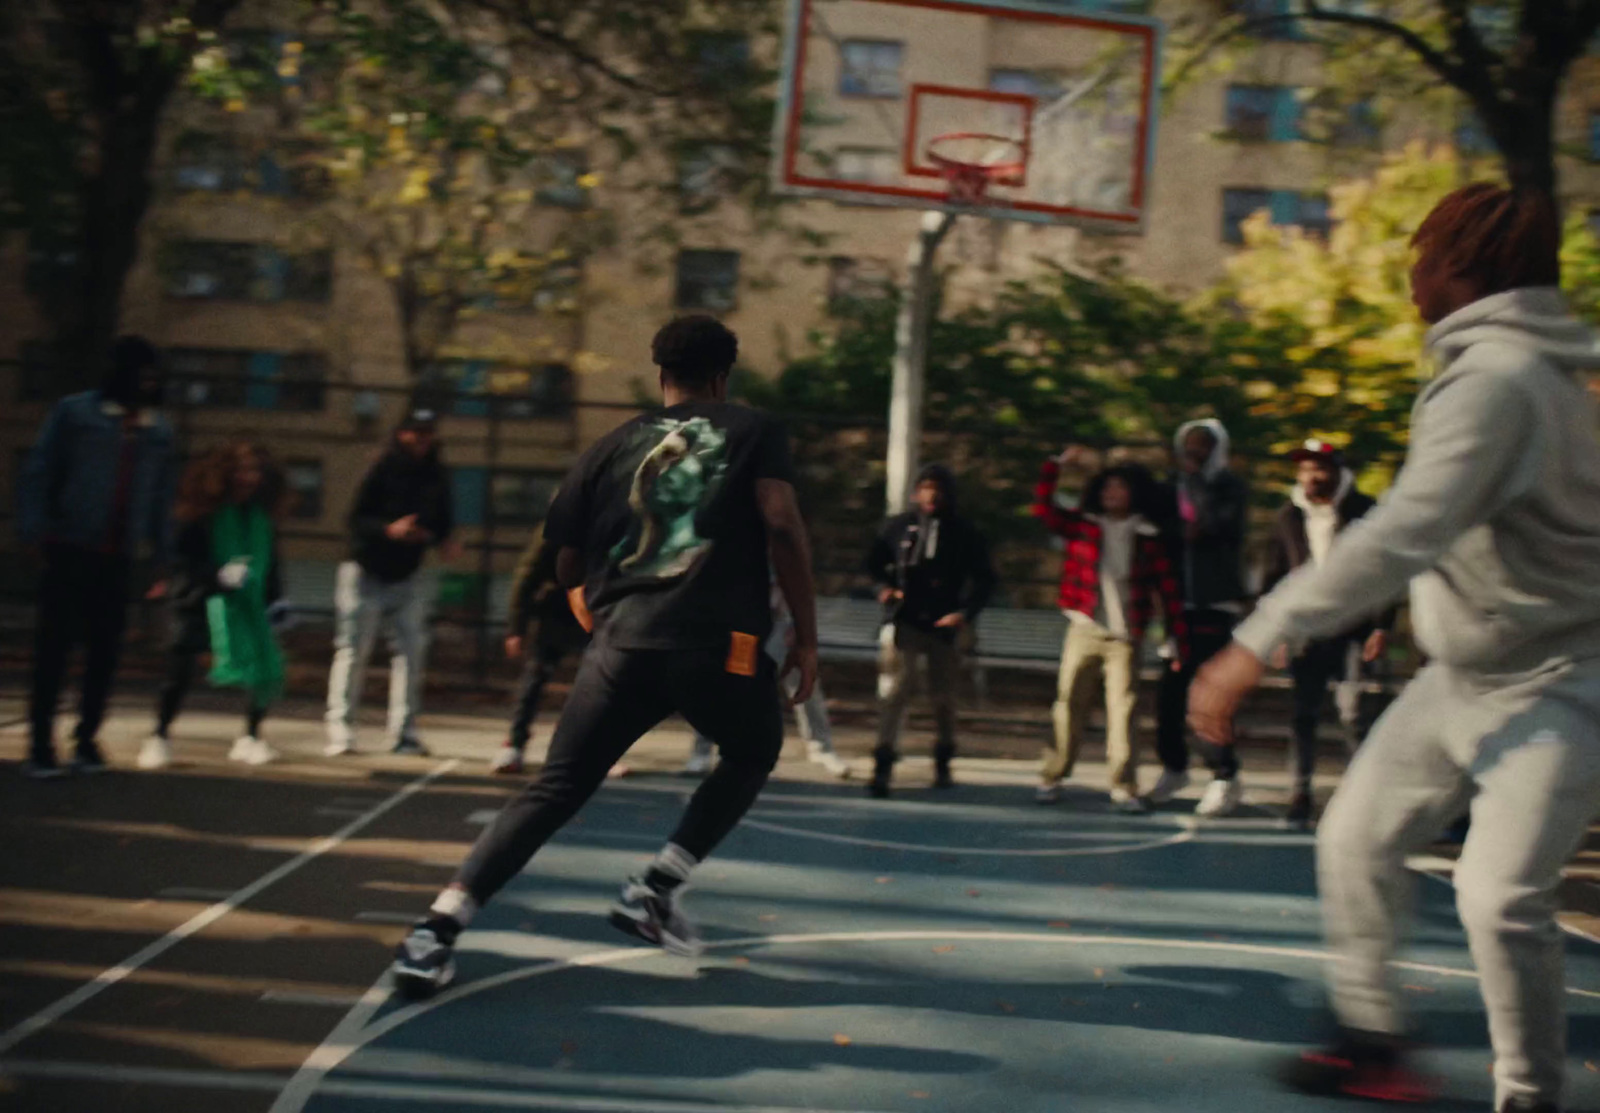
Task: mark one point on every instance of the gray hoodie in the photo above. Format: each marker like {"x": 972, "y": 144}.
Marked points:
{"x": 1494, "y": 521}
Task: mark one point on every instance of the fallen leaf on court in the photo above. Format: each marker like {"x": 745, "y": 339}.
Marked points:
{"x": 1136, "y": 1004}
{"x": 1170, "y": 1059}
{"x": 920, "y": 1094}
{"x": 944, "y": 949}
{"x": 1060, "y": 925}
{"x": 883, "y": 880}
{"x": 1099, "y": 972}
{"x": 842, "y": 1040}
{"x": 1589, "y": 1064}
{"x": 526, "y": 925}
{"x": 1005, "y": 1006}
{"x": 767, "y": 917}
{"x": 741, "y": 960}
{"x": 1419, "y": 989}
{"x": 1106, "y": 888}
{"x": 973, "y": 893}
{"x": 1218, "y": 936}
{"x": 569, "y": 1047}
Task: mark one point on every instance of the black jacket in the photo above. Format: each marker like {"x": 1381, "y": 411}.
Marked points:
{"x": 194, "y": 581}
{"x": 1291, "y": 549}
{"x": 1208, "y": 565}
{"x": 956, "y": 575}
{"x": 399, "y": 485}
{"x": 537, "y": 599}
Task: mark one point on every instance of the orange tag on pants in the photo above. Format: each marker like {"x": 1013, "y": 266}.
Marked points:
{"x": 580, "y": 610}
{"x": 742, "y": 650}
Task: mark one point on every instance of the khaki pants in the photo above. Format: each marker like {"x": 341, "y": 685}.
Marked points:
{"x": 1527, "y": 759}
{"x": 1090, "y": 654}
{"x": 900, "y": 648}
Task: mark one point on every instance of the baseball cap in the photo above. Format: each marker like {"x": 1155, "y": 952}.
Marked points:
{"x": 421, "y": 418}
{"x": 1320, "y": 450}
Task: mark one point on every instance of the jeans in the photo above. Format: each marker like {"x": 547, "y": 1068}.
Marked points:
{"x": 1527, "y": 758}
{"x": 900, "y": 648}
{"x": 175, "y": 688}
{"x": 1093, "y": 653}
{"x": 1210, "y": 632}
{"x": 617, "y": 697}
{"x": 83, "y": 597}
{"x": 810, "y": 717}
{"x": 363, "y": 603}
{"x": 543, "y": 660}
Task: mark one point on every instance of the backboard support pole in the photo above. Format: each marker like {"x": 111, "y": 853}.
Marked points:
{"x": 911, "y": 360}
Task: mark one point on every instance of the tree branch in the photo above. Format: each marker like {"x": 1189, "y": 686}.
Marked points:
{"x": 1440, "y": 63}
{"x": 546, "y": 33}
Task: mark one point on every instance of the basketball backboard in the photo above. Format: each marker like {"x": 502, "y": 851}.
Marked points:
{"x": 882, "y": 100}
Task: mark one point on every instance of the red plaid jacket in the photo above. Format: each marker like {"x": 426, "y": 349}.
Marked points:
{"x": 1151, "y": 575}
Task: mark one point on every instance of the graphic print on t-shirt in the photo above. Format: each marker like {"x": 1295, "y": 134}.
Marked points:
{"x": 679, "y": 475}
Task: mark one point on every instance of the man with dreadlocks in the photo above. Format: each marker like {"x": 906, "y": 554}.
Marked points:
{"x": 1494, "y": 524}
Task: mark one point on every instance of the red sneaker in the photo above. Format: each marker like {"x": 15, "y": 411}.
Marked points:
{"x": 1360, "y": 1065}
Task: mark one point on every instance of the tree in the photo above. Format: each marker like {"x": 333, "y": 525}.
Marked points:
{"x": 1506, "y": 58}
{"x": 83, "y": 86}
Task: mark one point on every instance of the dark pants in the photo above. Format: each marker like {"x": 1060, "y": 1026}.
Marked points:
{"x": 83, "y": 597}
{"x": 180, "y": 678}
{"x": 617, "y": 697}
{"x": 1312, "y": 670}
{"x": 541, "y": 666}
{"x": 1210, "y": 632}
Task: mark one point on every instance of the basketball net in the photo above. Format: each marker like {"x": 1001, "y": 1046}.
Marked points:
{"x": 971, "y": 162}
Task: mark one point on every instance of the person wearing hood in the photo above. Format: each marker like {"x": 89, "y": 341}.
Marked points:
{"x": 934, "y": 578}
{"x": 1210, "y": 503}
{"x": 1322, "y": 503}
{"x": 1493, "y": 525}
{"x": 401, "y": 511}
{"x": 96, "y": 491}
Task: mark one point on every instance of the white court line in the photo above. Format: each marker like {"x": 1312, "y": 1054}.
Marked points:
{"x": 1182, "y": 835}
{"x": 338, "y": 813}
{"x": 108, "y": 978}
{"x": 292, "y": 997}
{"x": 387, "y": 917}
{"x": 182, "y": 892}
{"x": 354, "y": 1033}
{"x": 482, "y": 817}
{"x": 387, "y": 1091}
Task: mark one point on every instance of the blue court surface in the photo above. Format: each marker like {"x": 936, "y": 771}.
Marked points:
{"x": 952, "y": 952}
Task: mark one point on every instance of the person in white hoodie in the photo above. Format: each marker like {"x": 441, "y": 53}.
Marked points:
{"x": 1494, "y": 525}
{"x": 1323, "y": 501}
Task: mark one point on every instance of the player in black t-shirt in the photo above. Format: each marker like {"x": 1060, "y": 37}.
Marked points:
{"x": 668, "y": 523}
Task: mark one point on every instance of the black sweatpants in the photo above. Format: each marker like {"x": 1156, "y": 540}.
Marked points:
{"x": 1210, "y": 632}
{"x": 181, "y": 665}
{"x": 618, "y": 696}
{"x": 541, "y": 666}
{"x": 1321, "y": 662}
{"x": 83, "y": 597}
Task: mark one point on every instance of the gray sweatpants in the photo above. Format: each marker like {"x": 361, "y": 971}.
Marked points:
{"x": 363, "y": 605}
{"x": 1526, "y": 757}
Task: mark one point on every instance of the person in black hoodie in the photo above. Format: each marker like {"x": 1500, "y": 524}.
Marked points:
{"x": 934, "y": 577}
{"x": 1210, "y": 504}
{"x": 401, "y": 511}
{"x": 1324, "y": 501}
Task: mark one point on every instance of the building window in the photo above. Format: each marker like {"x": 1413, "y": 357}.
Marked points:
{"x": 869, "y": 68}
{"x": 707, "y": 280}
{"x": 1285, "y": 208}
{"x": 1263, "y": 113}
{"x": 477, "y": 388}
{"x": 303, "y": 478}
{"x": 207, "y": 164}
{"x": 469, "y": 495}
{"x": 522, "y": 497}
{"x": 719, "y": 57}
{"x": 234, "y": 379}
{"x": 1042, "y": 87}
{"x": 866, "y": 164}
{"x": 561, "y": 178}
{"x": 222, "y": 271}
{"x": 852, "y": 281}
{"x": 705, "y": 176}
{"x": 1594, "y": 137}
{"x": 1278, "y": 29}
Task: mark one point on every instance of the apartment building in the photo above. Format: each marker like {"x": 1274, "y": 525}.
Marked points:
{"x": 300, "y": 343}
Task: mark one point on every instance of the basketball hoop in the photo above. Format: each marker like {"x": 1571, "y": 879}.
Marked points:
{"x": 973, "y": 161}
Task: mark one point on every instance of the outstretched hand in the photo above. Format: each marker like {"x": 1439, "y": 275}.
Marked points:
{"x": 1377, "y": 645}
{"x": 801, "y": 663}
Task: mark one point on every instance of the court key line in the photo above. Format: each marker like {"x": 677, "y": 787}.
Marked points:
{"x": 1182, "y": 835}
{"x": 354, "y": 1032}
{"x": 202, "y": 920}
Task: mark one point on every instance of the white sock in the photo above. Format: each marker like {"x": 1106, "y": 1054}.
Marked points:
{"x": 674, "y": 862}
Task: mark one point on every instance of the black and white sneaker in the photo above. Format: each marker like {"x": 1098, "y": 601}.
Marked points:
{"x": 423, "y": 964}
{"x": 656, "y": 918}
{"x": 87, "y": 758}
{"x": 410, "y": 746}
{"x": 42, "y": 766}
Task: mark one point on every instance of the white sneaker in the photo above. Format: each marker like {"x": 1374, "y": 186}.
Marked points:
{"x": 156, "y": 753}
{"x": 698, "y": 765}
{"x": 507, "y": 762}
{"x": 252, "y": 751}
{"x": 1221, "y": 798}
{"x": 1127, "y": 802}
{"x": 1168, "y": 786}
{"x": 1047, "y": 793}
{"x": 341, "y": 741}
{"x": 829, "y": 760}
